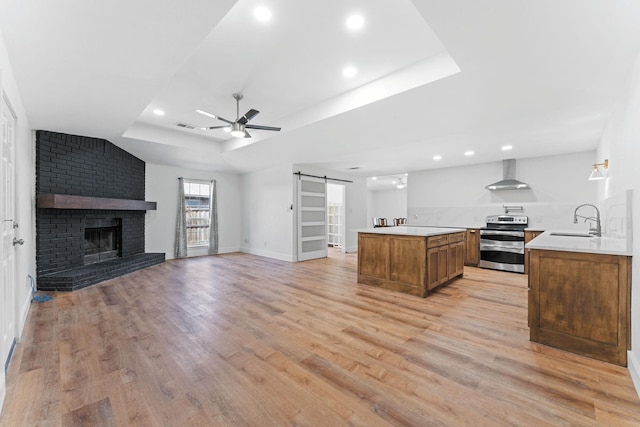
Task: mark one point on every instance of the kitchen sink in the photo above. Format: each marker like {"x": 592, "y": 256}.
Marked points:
{"x": 570, "y": 234}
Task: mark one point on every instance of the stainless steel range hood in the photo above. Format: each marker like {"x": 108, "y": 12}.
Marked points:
{"x": 509, "y": 181}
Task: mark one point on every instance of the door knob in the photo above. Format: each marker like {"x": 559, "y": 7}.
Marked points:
{"x": 18, "y": 241}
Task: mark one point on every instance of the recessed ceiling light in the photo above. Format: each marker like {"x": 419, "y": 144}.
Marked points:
{"x": 374, "y": 178}
{"x": 349, "y": 72}
{"x": 394, "y": 182}
{"x": 355, "y": 22}
{"x": 437, "y": 157}
{"x": 469, "y": 153}
{"x": 262, "y": 14}
{"x": 158, "y": 112}
{"x": 507, "y": 147}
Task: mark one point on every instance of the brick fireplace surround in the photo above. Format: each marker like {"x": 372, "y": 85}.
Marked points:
{"x": 69, "y": 165}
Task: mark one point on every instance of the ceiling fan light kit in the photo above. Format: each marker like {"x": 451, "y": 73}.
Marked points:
{"x": 238, "y": 128}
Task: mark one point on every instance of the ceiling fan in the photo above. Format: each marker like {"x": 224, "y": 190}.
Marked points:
{"x": 238, "y": 127}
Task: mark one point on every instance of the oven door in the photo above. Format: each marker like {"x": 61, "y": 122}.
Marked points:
{"x": 502, "y": 250}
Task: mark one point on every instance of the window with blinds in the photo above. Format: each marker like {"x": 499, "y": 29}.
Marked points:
{"x": 197, "y": 204}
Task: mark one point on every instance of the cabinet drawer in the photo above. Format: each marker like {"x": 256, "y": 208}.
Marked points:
{"x": 434, "y": 241}
{"x": 456, "y": 237}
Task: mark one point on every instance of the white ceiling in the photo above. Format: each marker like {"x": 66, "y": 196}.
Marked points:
{"x": 435, "y": 77}
{"x": 388, "y": 182}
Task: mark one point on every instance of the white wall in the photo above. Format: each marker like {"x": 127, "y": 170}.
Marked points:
{"x": 456, "y": 196}
{"x": 162, "y": 187}
{"x": 387, "y": 204}
{"x": 268, "y": 217}
{"x": 621, "y": 145}
{"x": 355, "y": 201}
{"x": 25, "y": 199}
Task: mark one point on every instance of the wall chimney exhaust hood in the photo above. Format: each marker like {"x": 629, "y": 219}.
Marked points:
{"x": 509, "y": 181}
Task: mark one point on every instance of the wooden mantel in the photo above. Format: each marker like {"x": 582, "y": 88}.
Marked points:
{"x": 64, "y": 201}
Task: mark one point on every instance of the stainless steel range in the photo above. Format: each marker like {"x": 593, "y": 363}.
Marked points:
{"x": 502, "y": 243}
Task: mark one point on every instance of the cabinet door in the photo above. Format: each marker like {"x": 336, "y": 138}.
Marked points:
{"x": 472, "y": 247}
{"x": 579, "y": 302}
{"x": 437, "y": 266}
{"x": 456, "y": 260}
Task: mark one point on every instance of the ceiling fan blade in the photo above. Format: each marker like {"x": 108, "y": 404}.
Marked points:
{"x": 246, "y": 134}
{"x": 248, "y": 116}
{"x": 206, "y": 113}
{"x": 224, "y": 120}
{"x": 262, "y": 127}
{"x": 216, "y": 127}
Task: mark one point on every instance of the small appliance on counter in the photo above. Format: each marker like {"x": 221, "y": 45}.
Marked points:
{"x": 502, "y": 243}
{"x": 380, "y": 222}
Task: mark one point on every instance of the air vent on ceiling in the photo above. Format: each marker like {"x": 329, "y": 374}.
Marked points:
{"x": 185, "y": 125}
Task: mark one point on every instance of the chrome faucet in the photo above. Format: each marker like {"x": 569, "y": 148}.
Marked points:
{"x": 597, "y": 231}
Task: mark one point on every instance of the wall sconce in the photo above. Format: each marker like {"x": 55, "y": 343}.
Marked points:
{"x": 596, "y": 173}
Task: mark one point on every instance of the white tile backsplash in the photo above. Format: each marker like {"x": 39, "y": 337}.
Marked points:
{"x": 615, "y": 213}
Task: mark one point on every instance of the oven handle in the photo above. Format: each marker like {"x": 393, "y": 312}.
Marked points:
{"x": 501, "y": 233}
{"x": 499, "y": 248}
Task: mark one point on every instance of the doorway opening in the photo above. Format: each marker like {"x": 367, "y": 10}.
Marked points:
{"x": 336, "y": 218}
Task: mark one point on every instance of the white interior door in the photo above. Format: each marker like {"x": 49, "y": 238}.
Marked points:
{"x": 7, "y": 252}
{"x": 312, "y": 218}
{"x": 336, "y": 215}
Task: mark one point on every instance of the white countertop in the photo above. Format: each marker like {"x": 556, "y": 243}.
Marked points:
{"x": 404, "y": 230}
{"x": 593, "y": 245}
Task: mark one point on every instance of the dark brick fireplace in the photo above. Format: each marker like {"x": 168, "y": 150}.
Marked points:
{"x": 90, "y": 212}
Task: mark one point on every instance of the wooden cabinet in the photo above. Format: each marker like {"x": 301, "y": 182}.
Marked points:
{"x": 445, "y": 258}
{"x": 528, "y": 236}
{"x": 580, "y": 302}
{"x": 410, "y": 264}
{"x": 456, "y": 255}
{"x": 456, "y": 259}
{"x": 437, "y": 264}
{"x": 472, "y": 247}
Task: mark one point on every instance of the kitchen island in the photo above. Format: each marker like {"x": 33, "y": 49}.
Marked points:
{"x": 413, "y": 260}
{"x": 580, "y": 293}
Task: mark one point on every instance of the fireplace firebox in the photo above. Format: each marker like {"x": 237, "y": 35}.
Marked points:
{"x": 102, "y": 239}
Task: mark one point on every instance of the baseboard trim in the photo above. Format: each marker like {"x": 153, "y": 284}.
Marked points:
{"x": 3, "y": 390}
{"x": 8, "y": 361}
{"x": 267, "y": 254}
{"x": 634, "y": 370}
{"x": 24, "y": 312}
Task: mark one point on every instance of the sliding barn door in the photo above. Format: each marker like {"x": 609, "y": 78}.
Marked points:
{"x": 312, "y": 218}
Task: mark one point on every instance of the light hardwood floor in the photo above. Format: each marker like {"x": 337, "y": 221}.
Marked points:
{"x": 240, "y": 340}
